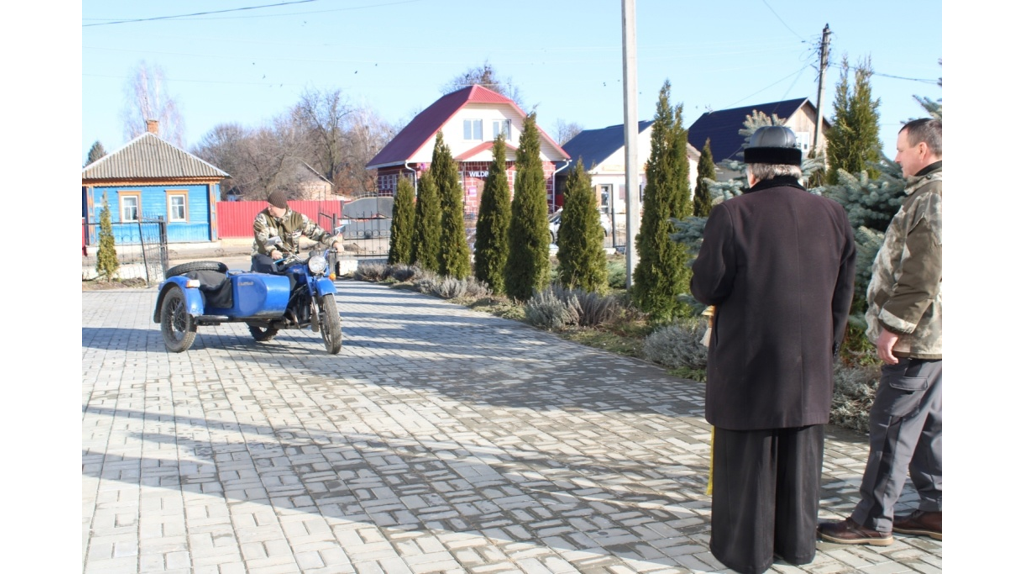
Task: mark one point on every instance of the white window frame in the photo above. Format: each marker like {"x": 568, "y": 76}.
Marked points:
{"x": 136, "y": 198}
{"x": 473, "y": 129}
{"x": 171, "y": 208}
{"x": 501, "y": 126}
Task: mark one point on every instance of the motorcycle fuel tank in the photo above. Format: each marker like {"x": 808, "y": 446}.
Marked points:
{"x": 260, "y": 295}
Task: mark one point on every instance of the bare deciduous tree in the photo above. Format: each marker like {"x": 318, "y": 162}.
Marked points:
{"x": 485, "y": 76}
{"x": 320, "y": 137}
{"x": 146, "y": 98}
{"x": 566, "y": 131}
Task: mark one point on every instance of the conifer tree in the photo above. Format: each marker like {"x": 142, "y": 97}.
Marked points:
{"x": 453, "y": 252}
{"x": 662, "y": 273}
{"x": 95, "y": 152}
{"x": 403, "y": 224}
{"x": 528, "y": 262}
{"x": 705, "y": 177}
{"x": 853, "y": 142}
{"x": 492, "y": 226}
{"x": 426, "y": 241}
{"x": 106, "y": 254}
{"x": 581, "y": 259}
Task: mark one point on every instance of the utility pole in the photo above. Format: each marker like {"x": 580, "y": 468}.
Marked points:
{"x": 822, "y": 64}
{"x": 630, "y": 128}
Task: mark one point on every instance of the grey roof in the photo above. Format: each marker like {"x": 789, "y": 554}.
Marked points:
{"x": 595, "y": 146}
{"x": 150, "y": 157}
{"x": 723, "y": 127}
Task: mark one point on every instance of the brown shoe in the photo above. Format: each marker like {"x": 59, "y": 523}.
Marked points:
{"x": 921, "y": 523}
{"x": 849, "y": 532}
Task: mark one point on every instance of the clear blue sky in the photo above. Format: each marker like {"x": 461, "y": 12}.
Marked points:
{"x": 249, "y": 66}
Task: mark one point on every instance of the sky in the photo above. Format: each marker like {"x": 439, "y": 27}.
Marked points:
{"x": 248, "y": 61}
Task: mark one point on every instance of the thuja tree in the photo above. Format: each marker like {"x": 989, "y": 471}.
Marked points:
{"x": 106, "y": 255}
{"x": 528, "y": 263}
{"x": 581, "y": 259}
{"x": 403, "y": 224}
{"x": 662, "y": 273}
{"x": 426, "y": 241}
{"x": 491, "y": 245}
{"x": 581, "y": 238}
{"x": 853, "y": 142}
{"x": 453, "y": 251}
{"x": 705, "y": 177}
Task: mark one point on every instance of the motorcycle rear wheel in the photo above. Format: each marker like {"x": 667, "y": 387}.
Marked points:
{"x": 330, "y": 324}
{"x": 262, "y": 334}
{"x": 176, "y": 325}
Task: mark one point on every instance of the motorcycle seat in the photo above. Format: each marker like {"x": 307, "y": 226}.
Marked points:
{"x": 215, "y": 287}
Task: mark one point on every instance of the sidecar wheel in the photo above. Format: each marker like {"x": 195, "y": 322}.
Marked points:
{"x": 196, "y": 266}
{"x": 177, "y": 326}
{"x": 330, "y": 324}
{"x": 262, "y": 334}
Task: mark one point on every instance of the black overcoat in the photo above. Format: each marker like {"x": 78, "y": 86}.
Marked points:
{"x": 778, "y": 264}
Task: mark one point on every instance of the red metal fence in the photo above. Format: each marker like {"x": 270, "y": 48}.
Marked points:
{"x": 234, "y": 218}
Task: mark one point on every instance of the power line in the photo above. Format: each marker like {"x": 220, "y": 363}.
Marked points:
{"x": 783, "y": 21}
{"x": 198, "y": 13}
{"x": 276, "y": 15}
{"x": 927, "y": 81}
{"x": 744, "y": 98}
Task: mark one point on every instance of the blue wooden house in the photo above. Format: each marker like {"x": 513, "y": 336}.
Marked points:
{"x": 148, "y": 179}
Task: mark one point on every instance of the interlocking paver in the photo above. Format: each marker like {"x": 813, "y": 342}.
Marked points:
{"x": 438, "y": 440}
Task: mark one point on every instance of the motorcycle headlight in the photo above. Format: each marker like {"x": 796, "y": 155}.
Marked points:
{"x": 317, "y": 264}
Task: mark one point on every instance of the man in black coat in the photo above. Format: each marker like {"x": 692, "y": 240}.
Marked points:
{"x": 778, "y": 265}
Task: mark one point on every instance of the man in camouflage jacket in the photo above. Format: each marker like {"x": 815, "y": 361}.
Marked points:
{"x": 277, "y": 220}
{"x": 904, "y": 320}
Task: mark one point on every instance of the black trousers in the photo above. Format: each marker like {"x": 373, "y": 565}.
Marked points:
{"x": 764, "y": 498}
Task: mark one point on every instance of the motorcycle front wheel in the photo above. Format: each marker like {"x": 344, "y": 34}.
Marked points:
{"x": 330, "y": 324}
{"x": 177, "y": 326}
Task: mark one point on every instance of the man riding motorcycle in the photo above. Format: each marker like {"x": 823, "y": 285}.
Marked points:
{"x": 277, "y": 220}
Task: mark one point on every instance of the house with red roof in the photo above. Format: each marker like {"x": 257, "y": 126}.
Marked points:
{"x": 469, "y": 120}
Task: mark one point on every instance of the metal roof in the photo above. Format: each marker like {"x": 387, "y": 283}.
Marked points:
{"x": 149, "y": 157}
{"x": 595, "y": 146}
{"x": 424, "y": 126}
{"x": 723, "y": 127}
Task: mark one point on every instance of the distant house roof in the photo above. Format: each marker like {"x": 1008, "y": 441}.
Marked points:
{"x": 723, "y": 127}
{"x": 149, "y": 157}
{"x": 595, "y": 146}
{"x": 425, "y": 125}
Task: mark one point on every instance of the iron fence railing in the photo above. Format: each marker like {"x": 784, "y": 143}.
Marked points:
{"x": 141, "y": 248}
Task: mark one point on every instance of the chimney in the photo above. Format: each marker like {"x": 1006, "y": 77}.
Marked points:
{"x": 151, "y": 126}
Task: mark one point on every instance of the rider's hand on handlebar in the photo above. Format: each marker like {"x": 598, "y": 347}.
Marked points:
{"x": 276, "y": 255}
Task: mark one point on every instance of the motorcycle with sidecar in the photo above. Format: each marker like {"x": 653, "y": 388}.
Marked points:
{"x": 298, "y": 294}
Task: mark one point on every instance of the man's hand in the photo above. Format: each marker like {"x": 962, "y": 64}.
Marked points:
{"x": 276, "y": 255}
{"x": 886, "y": 341}
{"x": 337, "y": 246}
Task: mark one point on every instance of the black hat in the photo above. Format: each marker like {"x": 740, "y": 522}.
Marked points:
{"x": 775, "y": 145}
{"x": 278, "y": 199}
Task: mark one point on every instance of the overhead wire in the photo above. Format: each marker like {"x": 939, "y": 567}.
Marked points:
{"x": 154, "y": 18}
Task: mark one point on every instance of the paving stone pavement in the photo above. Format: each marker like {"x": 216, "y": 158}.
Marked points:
{"x": 439, "y": 440}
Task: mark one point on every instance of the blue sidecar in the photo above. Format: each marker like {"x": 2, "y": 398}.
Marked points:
{"x": 299, "y": 294}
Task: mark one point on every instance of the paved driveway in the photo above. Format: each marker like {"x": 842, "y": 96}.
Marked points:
{"x": 438, "y": 440}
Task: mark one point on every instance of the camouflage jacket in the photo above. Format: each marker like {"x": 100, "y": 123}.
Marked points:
{"x": 289, "y": 228}
{"x": 905, "y": 293}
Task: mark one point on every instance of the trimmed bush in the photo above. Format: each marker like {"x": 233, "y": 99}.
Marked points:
{"x": 678, "y": 346}
{"x": 547, "y": 310}
{"x": 853, "y": 396}
{"x": 371, "y": 271}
